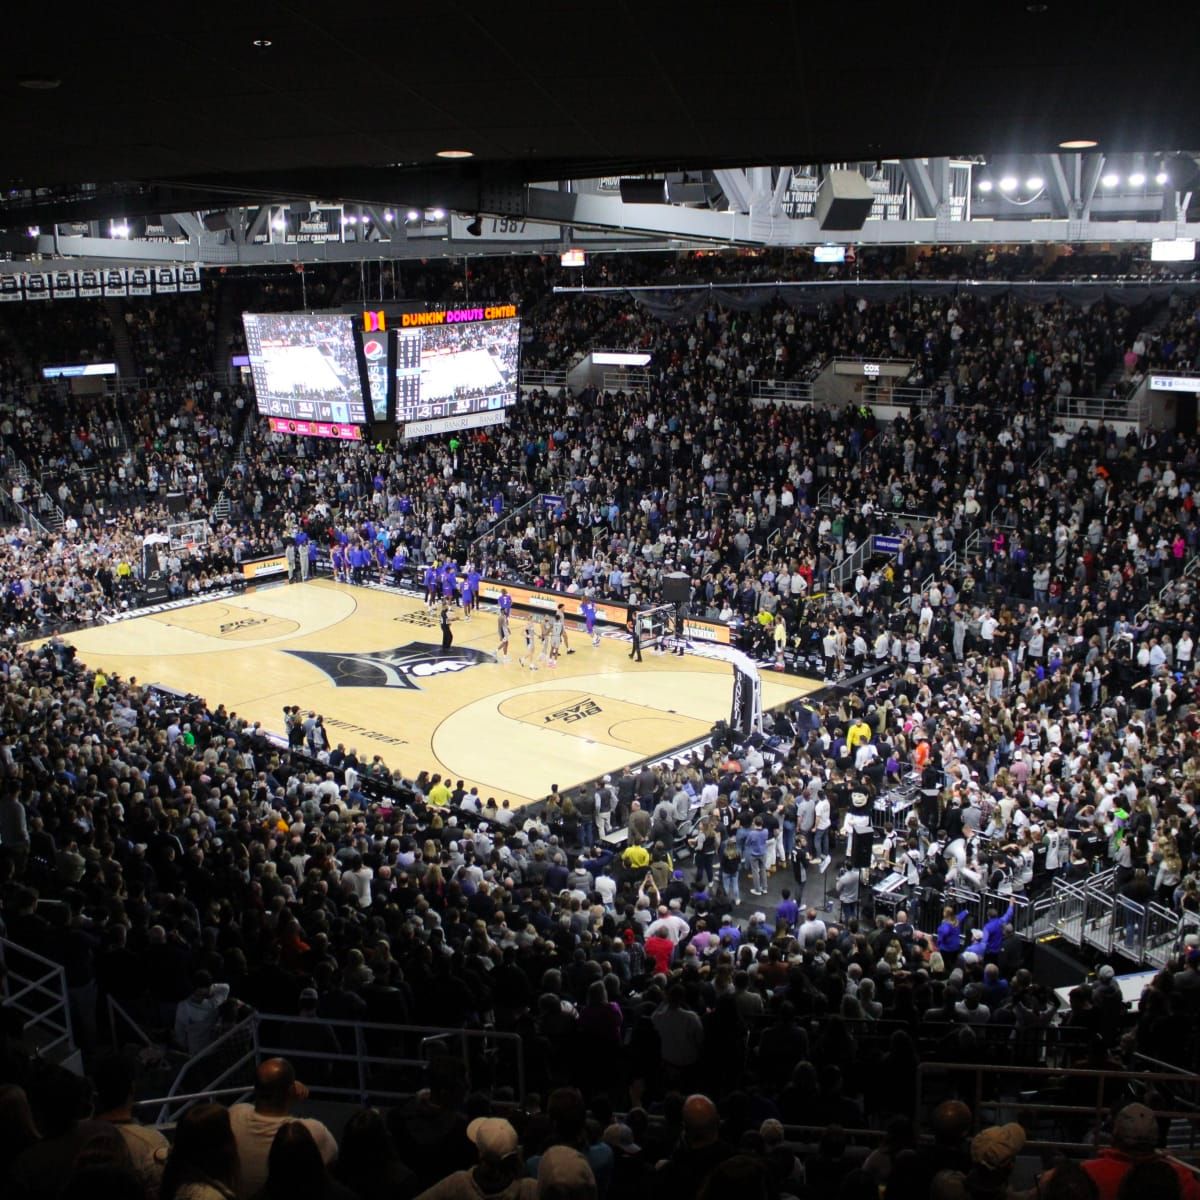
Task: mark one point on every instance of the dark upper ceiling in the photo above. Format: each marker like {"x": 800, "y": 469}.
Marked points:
{"x": 562, "y": 88}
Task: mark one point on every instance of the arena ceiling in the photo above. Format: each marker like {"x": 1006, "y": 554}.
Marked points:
{"x": 287, "y": 97}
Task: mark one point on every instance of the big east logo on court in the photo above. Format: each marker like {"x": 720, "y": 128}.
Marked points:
{"x": 398, "y": 668}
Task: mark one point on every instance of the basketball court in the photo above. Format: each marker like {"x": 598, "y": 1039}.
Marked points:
{"x": 370, "y": 661}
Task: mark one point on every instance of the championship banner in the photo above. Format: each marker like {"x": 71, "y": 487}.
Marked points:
{"x": 37, "y": 286}
{"x": 114, "y": 282}
{"x": 139, "y": 281}
{"x": 548, "y": 601}
{"x": 64, "y": 285}
{"x": 89, "y": 283}
{"x": 10, "y": 288}
{"x": 165, "y": 280}
{"x": 264, "y": 568}
{"x": 189, "y": 279}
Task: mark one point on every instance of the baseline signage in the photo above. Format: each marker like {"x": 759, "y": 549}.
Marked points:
{"x": 885, "y": 544}
{"x": 699, "y": 630}
{"x": 264, "y": 568}
{"x": 321, "y": 429}
{"x": 548, "y": 601}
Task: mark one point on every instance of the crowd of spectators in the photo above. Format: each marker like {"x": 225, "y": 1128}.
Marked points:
{"x": 1014, "y": 657}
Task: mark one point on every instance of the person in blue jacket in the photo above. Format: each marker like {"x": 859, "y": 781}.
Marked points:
{"x": 993, "y": 931}
{"x": 431, "y": 584}
{"x": 949, "y": 934}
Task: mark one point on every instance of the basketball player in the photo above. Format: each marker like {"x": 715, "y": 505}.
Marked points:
{"x": 588, "y": 609}
{"x": 556, "y": 637}
{"x": 337, "y": 559}
{"x": 528, "y": 659}
{"x": 502, "y": 629}
{"x": 545, "y": 636}
{"x": 431, "y": 584}
{"x": 560, "y": 623}
{"x": 468, "y": 599}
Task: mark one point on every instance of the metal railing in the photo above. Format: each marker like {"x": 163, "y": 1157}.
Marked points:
{"x": 370, "y": 1063}
{"x": 1097, "y": 408}
{"x": 118, "y": 1019}
{"x": 848, "y": 567}
{"x": 36, "y": 988}
{"x": 781, "y": 391}
{"x": 627, "y": 381}
{"x": 544, "y": 379}
{"x": 1000, "y": 1092}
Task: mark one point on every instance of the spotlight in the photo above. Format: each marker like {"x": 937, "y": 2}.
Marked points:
{"x": 1008, "y": 184}
{"x": 1078, "y": 144}
{"x": 389, "y": 215}
{"x": 985, "y": 185}
{"x": 412, "y": 215}
{"x": 279, "y": 223}
{"x": 437, "y": 214}
{"x": 263, "y": 43}
{"x": 1034, "y": 183}
{"x": 456, "y": 154}
{"x": 1161, "y": 178}
{"x": 475, "y": 229}
{"x": 1137, "y": 178}
{"x": 1111, "y": 179}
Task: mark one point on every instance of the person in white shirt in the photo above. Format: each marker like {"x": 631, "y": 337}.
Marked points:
{"x": 821, "y": 824}
{"x": 811, "y": 931}
{"x": 356, "y": 882}
{"x": 1183, "y": 651}
{"x": 276, "y": 1089}
{"x": 196, "y": 1015}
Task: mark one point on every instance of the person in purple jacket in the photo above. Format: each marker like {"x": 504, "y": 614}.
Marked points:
{"x": 949, "y": 935}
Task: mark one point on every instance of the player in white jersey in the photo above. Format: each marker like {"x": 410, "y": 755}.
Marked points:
{"x": 529, "y": 658}
{"x": 502, "y": 631}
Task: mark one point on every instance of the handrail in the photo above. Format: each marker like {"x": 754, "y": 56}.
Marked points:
{"x": 28, "y": 985}
{"x": 115, "y": 1010}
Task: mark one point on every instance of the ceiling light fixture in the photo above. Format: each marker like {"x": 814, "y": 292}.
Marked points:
{"x": 262, "y": 43}
{"x": 1008, "y": 184}
{"x": 389, "y": 215}
{"x": 1035, "y": 183}
{"x": 1137, "y": 178}
{"x": 437, "y": 214}
{"x": 985, "y": 185}
{"x": 1111, "y": 179}
{"x": 279, "y": 223}
{"x": 39, "y": 83}
{"x": 1161, "y": 178}
{"x": 413, "y": 215}
{"x": 456, "y": 154}
{"x": 1078, "y": 144}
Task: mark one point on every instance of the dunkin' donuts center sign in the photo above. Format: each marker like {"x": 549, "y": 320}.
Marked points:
{"x": 456, "y": 316}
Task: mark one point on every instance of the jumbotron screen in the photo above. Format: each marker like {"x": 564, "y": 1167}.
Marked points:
{"x": 305, "y": 366}
{"x": 460, "y": 362}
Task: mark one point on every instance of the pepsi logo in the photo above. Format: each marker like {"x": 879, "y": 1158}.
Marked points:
{"x": 372, "y": 349}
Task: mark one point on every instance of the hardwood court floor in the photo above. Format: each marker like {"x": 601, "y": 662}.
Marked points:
{"x": 362, "y": 659}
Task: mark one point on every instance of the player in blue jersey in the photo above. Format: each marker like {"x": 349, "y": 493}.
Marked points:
{"x": 468, "y": 599}
{"x": 338, "y": 559}
{"x": 399, "y": 562}
{"x": 431, "y": 580}
{"x": 449, "y": 583}
{"x": 588, "y": 609}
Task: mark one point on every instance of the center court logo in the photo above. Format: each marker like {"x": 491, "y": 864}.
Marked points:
{"x": 398, "y": 668}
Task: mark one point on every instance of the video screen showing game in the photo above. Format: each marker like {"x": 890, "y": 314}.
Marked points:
{"x": 305, "y": 366}
{"x": 451, "y": 370}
